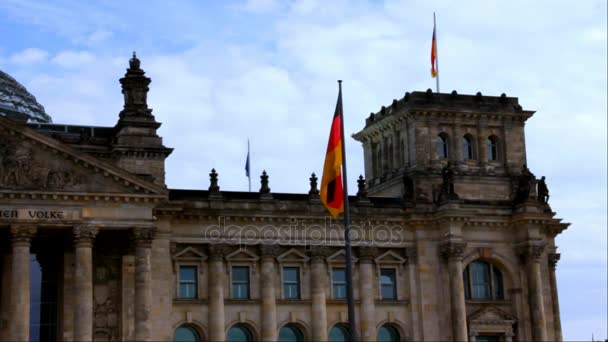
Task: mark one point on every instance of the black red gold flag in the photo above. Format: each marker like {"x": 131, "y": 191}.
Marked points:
{"x": 332, "y": 192}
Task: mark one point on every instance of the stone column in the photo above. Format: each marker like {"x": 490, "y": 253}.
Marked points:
{"x": 414, "y": 295}
{"x": 453, "y": 252}
{"x": 83, "y": 282}
{"x": 143, "y": 237}
{"x": 318, "y": 273}
{"x": 482, "y": 151}
{"x": 368, "y": 294}
{"x": 216, "y": 293}
{"x": 456, "y": 150}
{"x": 557, "y": 324}
{"x": 532, "y": 254}
{"x": 19, "y": 322}
{"x": 269, "y": 306}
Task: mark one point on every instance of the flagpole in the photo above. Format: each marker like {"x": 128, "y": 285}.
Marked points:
{"x": 436, "y": 53}
{"x": 349, "y": 263}
{"x": 249, "y": 160}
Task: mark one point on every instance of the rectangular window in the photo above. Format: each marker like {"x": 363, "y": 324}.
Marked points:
{"x": 187, "y": 282}
{"x": 339, "y": 283}
{"x": 388, "y": 284}
{"x": 240, "y": 282}
{"x": 291, "y": 282}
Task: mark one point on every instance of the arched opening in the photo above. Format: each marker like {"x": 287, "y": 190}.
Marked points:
{"x": 239, "y": 333}
{"x": 290, "y": 333}
{"x": 387, "y": 333}
{"x": 483, "y": 281}
{"x": 492, "y": 143}
{"x": 186, "y": 333}
{"x": 467, "y": 147}
{"x": 339, "y": 333}
{"x": 442, "y": 146}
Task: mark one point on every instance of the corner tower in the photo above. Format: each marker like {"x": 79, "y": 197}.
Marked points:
{"x": 137, "y": 148}
{"x": 411, "y": 141}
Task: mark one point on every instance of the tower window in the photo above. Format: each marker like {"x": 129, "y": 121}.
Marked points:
{"x": 467, "y": 147}
{"x": 492, "y": 148}
{"x": 442, "y": 146}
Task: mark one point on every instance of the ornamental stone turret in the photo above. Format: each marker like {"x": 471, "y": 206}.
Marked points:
{"x": 137, "y": 148}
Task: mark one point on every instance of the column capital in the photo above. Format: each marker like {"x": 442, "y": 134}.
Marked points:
{"x": 217, "y": 251}
{"x": 367, "y": 254}
{"x": 22, "y": 234}
{"x": 453, "y": 250}
{"x": 411, "y": 254}
{"x": 84, "y": 235}
{"x": 531, "y": 251}
{"x": 318, "y": 253}
{"x": 143, "y": 236}
{"x": 553, "y": 259}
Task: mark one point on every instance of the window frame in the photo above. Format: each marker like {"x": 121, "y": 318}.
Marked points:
{"x": 468, "y": 147}
{"x": 492, "y": 150}
{"x": 298, "y": 282}
{"x": 333, "y": 283}
{"x": 394, "y": 284}
{"x": 493, "y": 287}
{"x": 247, "y": 283}
{"x": 195, "y": 281}
{"x": 443, "y": 146}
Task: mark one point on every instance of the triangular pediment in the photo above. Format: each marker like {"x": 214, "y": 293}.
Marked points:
{"x": 33, "y": 163}
{"x": 242, "y": 255}
{"x": 490, "y": 314}
{"x": 390, "y": 257}
{"x": 293, "y": 255}
{"x": 339, "y": 257}
{"x": 189, "y": 253}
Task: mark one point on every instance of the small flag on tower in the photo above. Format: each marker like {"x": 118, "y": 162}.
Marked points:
{"x": 247, "y": 166}
{"x": 332, "y": 192}
{"x": 434, "y": 51}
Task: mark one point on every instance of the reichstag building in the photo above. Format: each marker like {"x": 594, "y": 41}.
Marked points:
{"x": 453, "y": 236}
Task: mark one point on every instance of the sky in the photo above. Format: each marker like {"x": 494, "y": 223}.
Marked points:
{"x": 265, "y": 70}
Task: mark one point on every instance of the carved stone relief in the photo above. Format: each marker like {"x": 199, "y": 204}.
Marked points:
{"x": 106, "y": 293}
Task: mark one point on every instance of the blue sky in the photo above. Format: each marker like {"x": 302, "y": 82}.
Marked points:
{"x": 223, "y": 71}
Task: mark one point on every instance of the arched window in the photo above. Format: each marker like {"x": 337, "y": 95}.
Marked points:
{"x": 442, "y": 146}
{"x": 483, "y": 281}
{"x": 290, "y": 333}
{"x": 387, "y": 333}
{"x": 186, "y": 334}
{"x": 467, "y": 147}
{"x": 239, "y": 333}
{"x": 492, "y": 148}
{"x": 338, "y": 333}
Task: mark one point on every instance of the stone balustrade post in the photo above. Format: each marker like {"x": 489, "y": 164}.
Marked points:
{"x": 318, "y": 272}
{"x": 368, "y": 293}
{"x": 269, "y": 306}
{"x": 216, "y": 292}
{"x": 83, "y": 282}
{"x": 143, "y": 237}
{"x": 19, "y": 321}
{"x": 453, "y": 252}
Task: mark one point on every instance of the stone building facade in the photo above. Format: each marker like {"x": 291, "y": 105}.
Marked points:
{"x": 453, "y": 236}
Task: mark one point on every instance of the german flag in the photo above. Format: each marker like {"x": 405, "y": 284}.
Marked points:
{"x": 332, "y": 192}
{"x": 434, "y": 52}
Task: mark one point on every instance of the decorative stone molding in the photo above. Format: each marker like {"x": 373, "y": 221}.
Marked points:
{"x": 21, "y": 235}
{"x": 318, "y": 253}
{"x": 217, "y": 251}
{"x": 368, "y": 254}
{"x": 84, "y": 235}
{"x": 553, "y": 259}
{"x": 411, "y": 255}
{"x": 143, "y": 236}
{"x": 531, "y": 251}
{"x": 270, "y": 250}
{"x": 453, "y": 250}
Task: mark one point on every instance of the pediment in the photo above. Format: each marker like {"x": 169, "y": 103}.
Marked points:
{"x": 31, "y": 162}
{"x": 339, "y": 257}
{"x": 390, "y": 257}
{"x": 242, "y": 255}
{"x": 189, "y": 253}
{"x": 293, "y": 255}
{"x": 490, "y": 315}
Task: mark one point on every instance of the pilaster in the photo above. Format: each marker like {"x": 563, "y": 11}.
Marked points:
{"x": 19, "y": 322}
{"x": 453, "y": 252}
{"x": 83, "y": 282}
{"x": 143, "y": 237}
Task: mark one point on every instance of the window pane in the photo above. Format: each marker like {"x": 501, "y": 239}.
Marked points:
{"x": 386, "y": 333}
{"x": 239, "y": 334}
{"x": 290, "y": 333}
{"x": 480, "y": 277}
{"x": 482, "y": 338}
{"x": 240, "y": 273}
{"x": 387, "y": 282}
{"x": 498, "y": 292}
{"x": 291, "y": 282}
{"x": 187, "y": 273}
{"x": 339, "y": 283}
{"x": 291, "y": 274}
{"x": 240, "y": 282}
{"x": 339, "y": 275}
{"x": 338, "y": 334}
{"x": 185, "y": 334}
{"x": 465, "y": 281}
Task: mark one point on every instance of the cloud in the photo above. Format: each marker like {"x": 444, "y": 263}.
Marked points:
{"x": 29, "y": 56}
{"x": 74, "y": 59}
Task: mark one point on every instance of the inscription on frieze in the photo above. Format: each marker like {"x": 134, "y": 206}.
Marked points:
{"x": 39, "y": 214}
